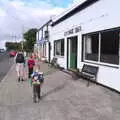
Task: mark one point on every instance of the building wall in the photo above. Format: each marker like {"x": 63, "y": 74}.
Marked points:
{"x": 41, "y": 37}
{"x": 102, "y": 15}
{"x": 36, "y": 36}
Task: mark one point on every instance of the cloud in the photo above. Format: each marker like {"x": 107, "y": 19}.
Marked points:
{"x": 17, "y": 16}
{"x": 2, "y": 13}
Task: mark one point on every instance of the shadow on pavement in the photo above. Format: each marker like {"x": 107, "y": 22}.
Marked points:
{"x": 54, "y": 90}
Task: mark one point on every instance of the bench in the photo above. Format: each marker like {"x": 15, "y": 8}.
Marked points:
{"x": 54, "y": 62}
{"x": 89, "y": 72}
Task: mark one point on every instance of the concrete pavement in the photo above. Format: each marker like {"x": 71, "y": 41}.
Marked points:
{"x": 62, "y": 99}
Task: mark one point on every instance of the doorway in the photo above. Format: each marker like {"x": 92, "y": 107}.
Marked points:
{"x": 72, "y": 52}
{"x": 49, "y": 52}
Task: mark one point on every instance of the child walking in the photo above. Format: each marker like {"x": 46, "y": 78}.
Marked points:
{"x": 31, "y": 64}
{"x": 37, "y": 80}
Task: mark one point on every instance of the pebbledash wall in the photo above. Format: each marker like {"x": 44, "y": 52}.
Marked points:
{"x": 97, "y": 17}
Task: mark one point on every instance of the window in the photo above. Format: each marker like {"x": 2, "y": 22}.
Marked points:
{"x": 91, "y": 46}
{"x": 46, "y": 33}
{"x": 102, "y": 47}
{"x": 59, "y": 47}
{"x": 110, "y": 47}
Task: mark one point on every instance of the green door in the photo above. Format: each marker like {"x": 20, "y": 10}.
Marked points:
{"x": 72, "y": 61}
{"x": 72, "y": 52}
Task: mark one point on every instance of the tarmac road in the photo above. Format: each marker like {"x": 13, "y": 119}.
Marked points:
{"x": 5, "y": 64}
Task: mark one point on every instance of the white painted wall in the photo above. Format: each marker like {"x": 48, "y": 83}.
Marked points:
{"x": 102, "y": 15}
{"x": 40, "y": 36}
{"x": 37, "y": 37}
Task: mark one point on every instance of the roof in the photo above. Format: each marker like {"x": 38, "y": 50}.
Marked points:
{"x": 74, "y": 10}
{"x": 45, "y": 24}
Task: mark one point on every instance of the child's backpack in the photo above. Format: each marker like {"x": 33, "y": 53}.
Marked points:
{"x": 37, "y": 78}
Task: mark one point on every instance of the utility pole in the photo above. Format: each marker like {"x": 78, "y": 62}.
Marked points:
{"x": 22, "y": 37}
{"x": 14, "y": 37}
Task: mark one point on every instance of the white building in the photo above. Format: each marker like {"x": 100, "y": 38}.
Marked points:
{"x": 89, "y": 34}
{"x": 42, "y": 41}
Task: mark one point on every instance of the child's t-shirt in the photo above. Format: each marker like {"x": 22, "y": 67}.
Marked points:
{"x": 31, "y": 63}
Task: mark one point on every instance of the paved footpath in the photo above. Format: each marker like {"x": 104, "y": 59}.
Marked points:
{"x": 62, "y": 99}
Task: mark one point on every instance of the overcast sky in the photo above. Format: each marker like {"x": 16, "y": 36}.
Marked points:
{"x": 17, "y": 16}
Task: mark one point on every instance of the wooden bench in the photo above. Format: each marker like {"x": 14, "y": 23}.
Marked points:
{"x": 89, "y": 72}
{"x": 54, "y": 62}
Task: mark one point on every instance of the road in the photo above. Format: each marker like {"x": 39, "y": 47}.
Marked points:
{"x": 5, "y": 64}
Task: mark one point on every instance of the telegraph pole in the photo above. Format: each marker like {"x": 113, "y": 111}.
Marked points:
{"x": 22, "y": 37}
{"x": 14, "y": 37}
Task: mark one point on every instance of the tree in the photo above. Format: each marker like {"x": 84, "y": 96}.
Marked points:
{"x": 30, "y": 37}
{"x": 13, "y": 46}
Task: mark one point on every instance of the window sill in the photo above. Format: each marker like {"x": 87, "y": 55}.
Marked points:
{"x": 59, "y": 56}
{"x": 102, "y": 64}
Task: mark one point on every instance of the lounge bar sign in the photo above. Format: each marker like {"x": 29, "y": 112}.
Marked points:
{"x": 72, "y": 31}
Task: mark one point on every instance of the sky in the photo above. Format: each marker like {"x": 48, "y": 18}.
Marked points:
{"x": 17, "y": 16}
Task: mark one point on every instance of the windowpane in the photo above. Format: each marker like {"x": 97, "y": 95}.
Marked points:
{"x": 110, "y": 47}
{"x": 91, "y": 46}
{"x": 59, "y": 47}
